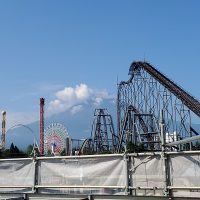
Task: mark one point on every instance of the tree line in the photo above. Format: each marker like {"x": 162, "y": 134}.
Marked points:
{"x": 15, "y": 152}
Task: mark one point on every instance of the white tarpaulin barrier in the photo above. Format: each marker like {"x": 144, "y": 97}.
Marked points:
{"x": 106, "y": 174}
{"x": 17, "y": 173}
{"x": 147, "y": 171}
{"x": 81, "y": 173}
{"x": 185, "y": 172}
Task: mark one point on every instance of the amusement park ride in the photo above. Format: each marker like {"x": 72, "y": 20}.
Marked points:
{"x": 56, "y": 140}
{"x": 3, "y": 132}
{"x": 152, "y": 112}
{"x": 149, "y": 99}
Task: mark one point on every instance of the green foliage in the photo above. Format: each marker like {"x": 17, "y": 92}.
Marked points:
{"x": 49, "y": 153}
{"x": 132, "y": 148}
{"x": 29, "y": 149}
{"x": 63, "y": 153}
{"x": 106, "y": 152}
{"x": 6, "y": 153}
{"x": 12, "y": 148}
{"x": 13, "y": 152}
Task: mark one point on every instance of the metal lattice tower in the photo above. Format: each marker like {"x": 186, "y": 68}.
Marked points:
{"x": 103, "y": 135}
{"x": 139, "y": 102}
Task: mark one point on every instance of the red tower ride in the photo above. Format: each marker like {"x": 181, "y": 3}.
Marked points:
{"x": 42, "y": 126}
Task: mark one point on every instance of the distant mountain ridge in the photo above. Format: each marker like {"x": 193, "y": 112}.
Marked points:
{"x": 79, "y": 125}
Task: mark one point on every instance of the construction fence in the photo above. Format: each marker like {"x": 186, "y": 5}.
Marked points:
{"x": 170, "y": 174}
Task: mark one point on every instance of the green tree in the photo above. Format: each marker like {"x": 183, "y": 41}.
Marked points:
{"x": 29, "y": 149}
{"x": 12, "y": 148}
{"x": 6, "y": 153}
{"x": 132, "y": 148}
{"x": 63, "y": 153}
{"x": 15, "y": 152}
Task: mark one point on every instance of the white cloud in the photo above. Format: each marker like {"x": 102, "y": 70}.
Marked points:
{"x": 98, "y": 101}
{"x": 80, "y": 92}
{"x": 72, "y": 99}
{"x": 76, "y": 109}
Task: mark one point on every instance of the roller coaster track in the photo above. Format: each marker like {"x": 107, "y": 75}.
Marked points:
{"x": 133, "y": 109}
{"x": 149, "y": 91}
{"x": 86, "y": 144}
{"x": 192, "y": 103}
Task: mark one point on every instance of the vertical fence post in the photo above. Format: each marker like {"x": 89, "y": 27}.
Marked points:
{"x": 35, "y": 181}
{"x": 163, "y": 155}
{"x": 127, "y": 192}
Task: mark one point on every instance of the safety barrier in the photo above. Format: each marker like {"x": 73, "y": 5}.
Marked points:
{"x": 169, "y": 174}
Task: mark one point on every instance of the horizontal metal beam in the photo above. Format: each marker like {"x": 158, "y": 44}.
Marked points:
{"x": 106, "y": 155}
{"x": 16, "y": 186}
{"x": 15, "y": 159}
{"x": 182, "y": 152}
{"x": 146, "y": 188}
{"x": 183, "y": 188}
{"x": 184, "y": 141}
{"x": 80, "y": 157}
{"x": 79, "y": 186}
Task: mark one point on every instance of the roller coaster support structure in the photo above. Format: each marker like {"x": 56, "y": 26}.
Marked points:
{"x": 139, "y": 102}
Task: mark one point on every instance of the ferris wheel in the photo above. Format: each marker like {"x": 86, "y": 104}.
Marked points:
{"x": 55, "y": 136}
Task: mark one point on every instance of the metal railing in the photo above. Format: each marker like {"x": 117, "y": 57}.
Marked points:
{"x": 132, "y": 170}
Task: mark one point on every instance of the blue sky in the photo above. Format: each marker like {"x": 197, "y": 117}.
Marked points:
{"x": 46, "y": 46}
